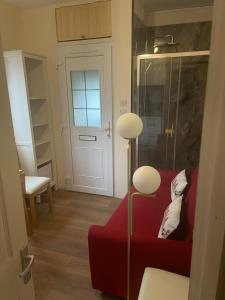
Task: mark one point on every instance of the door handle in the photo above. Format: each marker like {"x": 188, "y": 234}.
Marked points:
{"x": 170, "y": 131}
{"x": 28, "y": 267}
{"x": 108, "y": 129}
{"x": 27, "y": 261}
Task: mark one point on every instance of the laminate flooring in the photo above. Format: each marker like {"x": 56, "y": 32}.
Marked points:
{"x": 60, "y": 245}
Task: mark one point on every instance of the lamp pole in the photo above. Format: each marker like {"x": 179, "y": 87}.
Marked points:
{"x": 129, "y": 126}
{"x": 131, "y": 197}
{"x": 129, "y": 214}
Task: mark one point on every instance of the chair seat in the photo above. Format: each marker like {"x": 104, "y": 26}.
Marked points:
{"x": 160, "y": 285}
{"x": 34, "y": 183}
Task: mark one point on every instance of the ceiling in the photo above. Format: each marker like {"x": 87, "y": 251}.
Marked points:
{"x": 155, "y": 5}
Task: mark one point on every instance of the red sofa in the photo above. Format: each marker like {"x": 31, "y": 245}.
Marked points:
{"x": 108, "y": 244}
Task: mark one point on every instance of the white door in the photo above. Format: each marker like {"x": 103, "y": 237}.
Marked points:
{"x": 13, "y": 236}
{"x": 90, "y": 114}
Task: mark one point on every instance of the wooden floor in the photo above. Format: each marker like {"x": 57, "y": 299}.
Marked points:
{"x": 59, "y": 243}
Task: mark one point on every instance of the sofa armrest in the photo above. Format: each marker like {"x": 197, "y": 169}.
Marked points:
{"x": 170, "y": 255}
{"x": 108, "y": 260}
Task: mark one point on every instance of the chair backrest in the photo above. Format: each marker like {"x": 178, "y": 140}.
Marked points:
{"x": 191, "y": 202}
{"x": 22, "y": 179}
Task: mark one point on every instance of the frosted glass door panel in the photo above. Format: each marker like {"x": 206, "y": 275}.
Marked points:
{"x": 79, "y": 99}
{"x": 86, "y": 94}
{"x": 93, "y": 116}
{"x": 92, "y": 80}
{"x": 80, "y": 117}
{"x": 78, "y": 81}
{"x": 93, "y": 99}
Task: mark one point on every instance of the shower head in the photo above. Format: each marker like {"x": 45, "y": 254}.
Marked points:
{"x": 164, "y": 41}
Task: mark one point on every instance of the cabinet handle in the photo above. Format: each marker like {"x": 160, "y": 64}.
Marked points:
{"x": 83, "y": 36}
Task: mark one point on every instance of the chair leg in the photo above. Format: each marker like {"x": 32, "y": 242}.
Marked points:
{"x": 49, "y": 192}
{"x": 27, "y": 219}
{"x": 33, "y": 210}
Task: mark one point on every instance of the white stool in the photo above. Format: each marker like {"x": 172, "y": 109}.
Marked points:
{"x": 35, "y": 185}
{"x": 160, "y": 285}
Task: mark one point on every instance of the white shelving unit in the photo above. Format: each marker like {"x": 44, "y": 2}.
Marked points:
{"x": 28, "y": 93}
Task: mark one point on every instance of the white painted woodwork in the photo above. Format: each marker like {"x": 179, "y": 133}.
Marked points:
{"x": 209, "y": 233}
{"x": 12, "y": 221}
{"x": 28, "y": 93}
{"x": 88, "y": 164}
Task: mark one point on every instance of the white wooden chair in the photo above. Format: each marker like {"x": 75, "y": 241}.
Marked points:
{"x": 26, "y": 212}
{"x": 35, "y": 185}
{"x": 160, "y": 285}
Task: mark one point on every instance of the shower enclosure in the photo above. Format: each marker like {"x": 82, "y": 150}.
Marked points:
{"x": 170, "y": 101}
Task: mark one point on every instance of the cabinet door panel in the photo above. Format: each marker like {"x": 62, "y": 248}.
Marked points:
{"x": 72, "y": 23}
{"x": 100, "y": 19}
{"x": 86, "y": 21}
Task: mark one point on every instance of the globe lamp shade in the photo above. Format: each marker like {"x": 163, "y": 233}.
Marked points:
{"x": 129, "y": 126}
{"x": 146, "y": 180}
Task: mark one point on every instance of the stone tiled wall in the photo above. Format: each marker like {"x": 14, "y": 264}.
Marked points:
{"x": 189, "y": 36}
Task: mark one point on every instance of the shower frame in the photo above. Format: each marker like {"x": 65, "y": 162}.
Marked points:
{"x": 161, "y": 56}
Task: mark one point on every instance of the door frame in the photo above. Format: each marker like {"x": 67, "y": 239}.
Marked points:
{"x": 75, "y": 50}
{"x": 209, "y": 232}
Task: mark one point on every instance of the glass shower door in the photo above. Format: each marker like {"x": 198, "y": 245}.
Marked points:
{"x": 157, "y": 106}
{"x": 190, "y": 110}
{"x": 171, "y": 93}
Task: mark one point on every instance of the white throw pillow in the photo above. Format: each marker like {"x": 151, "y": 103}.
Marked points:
{"x": 171, "y": 218}
{"x": 178, "y": 185}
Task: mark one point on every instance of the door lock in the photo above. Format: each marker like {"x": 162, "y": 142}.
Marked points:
{"x": 27, "y": 261}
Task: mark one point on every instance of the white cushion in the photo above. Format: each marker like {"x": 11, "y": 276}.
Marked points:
{"x": 34, "y": 183}
{"x": 171, "y": 218}
{"x": 162, "y": 285}
{"x": 178, "y": 185}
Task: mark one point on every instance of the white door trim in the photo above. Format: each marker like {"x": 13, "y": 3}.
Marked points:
{"x": 210, "y": 211}
{"x": 76, "y": 50}
{"x": 13, "y": 236}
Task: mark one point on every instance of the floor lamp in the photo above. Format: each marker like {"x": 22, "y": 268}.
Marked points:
{"x": 146, "y": 179}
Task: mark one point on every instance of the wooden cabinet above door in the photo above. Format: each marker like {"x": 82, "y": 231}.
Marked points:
{"x": 87, "y": 21}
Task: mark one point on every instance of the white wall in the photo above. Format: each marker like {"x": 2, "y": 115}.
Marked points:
{"x": 38, "y": 35}
{"x": 9, "y": 26}
{"x": 121, "y": 31}
{"x": 178, "y": 16}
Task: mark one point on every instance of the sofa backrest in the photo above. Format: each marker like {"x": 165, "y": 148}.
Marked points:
{"x": 190, "y": 204}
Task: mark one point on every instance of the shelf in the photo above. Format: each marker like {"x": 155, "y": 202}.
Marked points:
{"x": 41, "y": 142}
{"x": 43, "y": 161}
{"x": 40, "y": 124}
{"x": 30, "y": 111}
